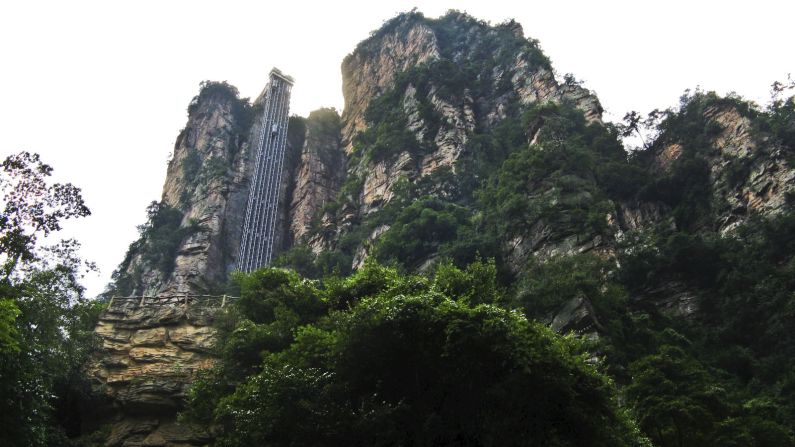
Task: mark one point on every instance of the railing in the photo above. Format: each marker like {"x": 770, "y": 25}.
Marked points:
{"x": 171, "y": 300}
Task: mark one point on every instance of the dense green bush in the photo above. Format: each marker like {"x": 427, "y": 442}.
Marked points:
{"x": 405, "y": 360}
{"x": 418, "y": 231}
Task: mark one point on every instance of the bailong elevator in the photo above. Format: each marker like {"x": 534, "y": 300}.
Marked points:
{"x": 259, "y": 228}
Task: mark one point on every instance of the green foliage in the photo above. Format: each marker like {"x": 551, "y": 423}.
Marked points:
{"x": 323, "y": 130}
{"x": 45, "y": 322}
{"x": 497, "y": 47}
{"x": 418, "y": 231}
{"x": 191, "y": 166}
{"x": 779, "y": 122}
{"x": 742, "y": 338}
{"x": 654, "y": 257}
{"x": 296, "y": 131}
{"x": 31, "y": 208}
{"x": 737, "y": 171}
{"x": 686, "y": 186}
{"x": 9, "y": 335}
{"x": 265, "y": 293}
{"x": 163, "y": 232}
{"x": 40, "y": 381}
{"x": 488, "y": 151}
{"x": 675, "y": 400}
{"x": 679, "y": 402}
{"x": 325, "y": 120}
{"x": 387, "y": 133}
{"x": 546, "y": 286}
{"x": 387, "y": 138}
{"x": 398, "y": 360}
{"x": 555, "y": 180}
{"x": 213, "y": 168}
{"x": 475, "y": 284}
{"x": 301, "y": 259}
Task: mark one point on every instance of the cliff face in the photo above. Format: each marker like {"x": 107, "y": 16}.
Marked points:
{"x": 151, "y": 351}
{"x": 434, "y": 107}
{"x": 206, "y": 188}
{"x": 514, "y": 71}
{"x": 427, "y": 103}
{"x": 494, "y": 72}
{"x": 749, "y": 171}
{"x": 319, "y": 172}
{"x": 517, "y": 69}
{"x": 333, "y": 180}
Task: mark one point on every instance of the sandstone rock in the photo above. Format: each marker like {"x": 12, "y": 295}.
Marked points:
{"x": 672, "y": 298}
{"x": 166, "y": 354}
{"x": 214, "y": 199}
{"x": 761, "y": 177}
{"x": 189, "y": 434}
{"x": 363, "y": 251}
{"x": 382, "y": 176}
{"x": 111, "y": 361}
{"x": 372, "y": 67}
{"x": 668, "y": 155}
{"x": 319, "y": 173}
{"x": 115, "y": 347}
{"x": 154, "y": 440}
{"x": 146, "y": 317}
{"x": 146, "y": 373}
{"x": 192, "y": 338}
{"x": 123, "y": 430}
{"x": 108, "y": 331}
{"x": 149, "y": 337}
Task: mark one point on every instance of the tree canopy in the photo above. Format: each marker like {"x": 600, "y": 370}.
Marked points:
{"x": 386, "y": 359}
{"x": 45, "y": 323}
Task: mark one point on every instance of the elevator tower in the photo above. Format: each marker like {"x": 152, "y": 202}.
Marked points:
{"x": 256, "y": 244}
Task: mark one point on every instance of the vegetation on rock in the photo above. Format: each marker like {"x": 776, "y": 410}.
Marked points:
{"x": 160, "y": 237}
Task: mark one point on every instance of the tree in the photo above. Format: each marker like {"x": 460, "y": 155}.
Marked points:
{"x": 45, "y": 323}
{"x": 676, "y": 402}
{"x": 31, "y": 208}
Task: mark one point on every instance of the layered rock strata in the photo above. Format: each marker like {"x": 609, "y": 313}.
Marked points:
{"x": 150, "y": 352}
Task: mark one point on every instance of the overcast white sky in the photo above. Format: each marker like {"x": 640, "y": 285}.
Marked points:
{"x": 100, "y": 88}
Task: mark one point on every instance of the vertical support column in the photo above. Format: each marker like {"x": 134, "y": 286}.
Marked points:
{"x": 259, "y": 230}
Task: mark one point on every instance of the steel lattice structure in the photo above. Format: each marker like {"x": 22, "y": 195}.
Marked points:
{"x": 256, "y": 245}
